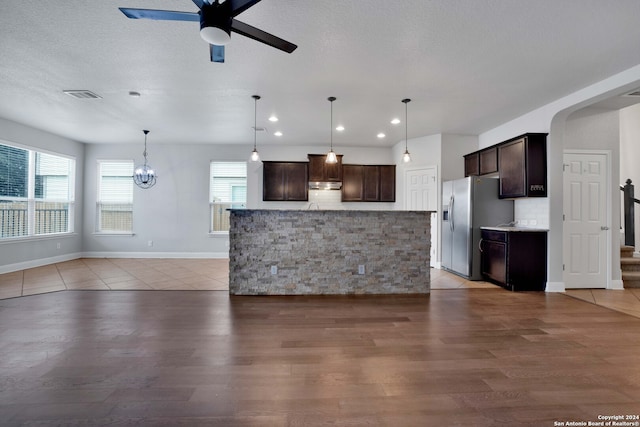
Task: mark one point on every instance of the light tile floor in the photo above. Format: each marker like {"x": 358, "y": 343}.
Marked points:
{"x": 213, "y": 274}
{"x": 118, "y": 274}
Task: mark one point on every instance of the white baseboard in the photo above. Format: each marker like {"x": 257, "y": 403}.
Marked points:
{"x": 616, "y": 284}
{"x": 9, "y": 268}
{"x": 555, "y": 287}
{"x": 177, "y": 255}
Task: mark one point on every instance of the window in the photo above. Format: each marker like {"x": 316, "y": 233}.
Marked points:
{"x": 114, "y": 208}
{"x": 228, "y": 189}
{"x": 36, "y": 193}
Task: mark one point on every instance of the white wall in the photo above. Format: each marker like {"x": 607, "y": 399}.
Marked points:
{"x": 630, "y": 156}
{"x": 174, "y": 214}
{"x": 30, "y": 252}
{"x": 551, "y": 118}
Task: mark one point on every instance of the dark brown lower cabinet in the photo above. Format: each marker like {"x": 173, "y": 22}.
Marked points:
{"x": 515, "y": 260}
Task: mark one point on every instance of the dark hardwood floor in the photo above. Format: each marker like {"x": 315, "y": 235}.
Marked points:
{"x": 464, "y": 357}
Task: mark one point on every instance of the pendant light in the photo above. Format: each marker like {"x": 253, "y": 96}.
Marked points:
{"x": 331, "y": 155}
{"x": 254, "y": 154}
{"x": 144, "y": 176}
{"x": 406, "y": 157}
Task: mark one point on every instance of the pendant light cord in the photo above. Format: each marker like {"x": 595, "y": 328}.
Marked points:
{"x": 144, "y": 153}
{"x": 406, "y": 126}
{"x": 330, "y": 99}
{"x": 255, "y": 119}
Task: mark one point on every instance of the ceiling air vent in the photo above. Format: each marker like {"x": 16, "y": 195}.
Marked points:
{"x": 82, "y": 94}
{"x": 259, "y": 129}
{"x": 634, "y": 93}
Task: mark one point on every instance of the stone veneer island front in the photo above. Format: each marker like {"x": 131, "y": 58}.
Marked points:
{"x": 318, "y": 252}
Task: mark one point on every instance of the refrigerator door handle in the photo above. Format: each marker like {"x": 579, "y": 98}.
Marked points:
{"x": 451, "y": 202}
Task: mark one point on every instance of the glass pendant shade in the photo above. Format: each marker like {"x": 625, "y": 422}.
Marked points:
{"x": 255, "y": 156}
{"x": 331, "y": 157}
{"x": 406, "y": 157}
{"x": 144, "y": 176}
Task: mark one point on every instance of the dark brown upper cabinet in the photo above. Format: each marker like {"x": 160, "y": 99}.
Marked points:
{"x": 321, "y": 171}
{"x": 481, "y": 162}
{"x": 285, "y": 181}
{"x": 520, "y": 162}
{"x": 522, "y": 166}
{"x": 488, "y": 160}
{"x": 472, "y": 164}
{"x": 368, "y": 183}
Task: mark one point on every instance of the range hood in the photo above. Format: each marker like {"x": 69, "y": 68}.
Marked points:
{"x": 315, "y": 185}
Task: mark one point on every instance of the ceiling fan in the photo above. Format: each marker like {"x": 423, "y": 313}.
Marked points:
{"x": 217, "y": 20}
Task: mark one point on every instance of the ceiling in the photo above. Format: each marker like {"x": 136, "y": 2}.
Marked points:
{"x": 467, "y": 65}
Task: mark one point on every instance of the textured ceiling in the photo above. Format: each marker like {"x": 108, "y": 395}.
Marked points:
{"x": 468, "y": 65}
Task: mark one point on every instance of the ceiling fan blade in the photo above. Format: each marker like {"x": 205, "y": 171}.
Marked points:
{"x": 199, "y": 3}
{"x": 239, "y": 6}
{"x": 160, "y": 15}
{"x": 217, "y": 53}
{"x": 261, "y": 36}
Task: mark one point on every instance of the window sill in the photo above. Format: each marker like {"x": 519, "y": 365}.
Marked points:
{"x": 22, "y": 239}
{"x": 114, "y": 234}
{"x": 218, "y": 234}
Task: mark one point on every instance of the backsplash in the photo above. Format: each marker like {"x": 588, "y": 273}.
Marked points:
{"x": 326, "y": 199}
{"x": 532, "y": 212}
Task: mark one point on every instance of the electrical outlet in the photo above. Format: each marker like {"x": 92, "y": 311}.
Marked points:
{"x": 361, "y": 269}
{"x": 274, "y": 269}
{"x": 58, "y": 246}
{"x": 150, "y": 243}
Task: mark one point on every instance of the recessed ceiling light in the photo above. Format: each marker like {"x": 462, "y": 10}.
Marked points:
{"x": 381, "y": 135}
{"x": 395, "y": 121}
{"x": 273, "y": 119}
{"x": 278, "y": 133}
{"x": 340, "y": 128}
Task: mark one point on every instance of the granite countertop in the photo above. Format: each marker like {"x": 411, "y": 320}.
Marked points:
{"x": 513, "y": 228}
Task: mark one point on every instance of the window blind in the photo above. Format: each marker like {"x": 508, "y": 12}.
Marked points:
{"x": 115, "y": 197}
{"x": 227, "y": 189}
{"x": 36, "y": 192}
{"x": 14, "y": 172}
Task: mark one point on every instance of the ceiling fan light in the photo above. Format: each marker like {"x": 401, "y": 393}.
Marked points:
{"x": 215, "y": 36}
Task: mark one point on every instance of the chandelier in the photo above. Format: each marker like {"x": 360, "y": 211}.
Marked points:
{"x": 144, "y": 176}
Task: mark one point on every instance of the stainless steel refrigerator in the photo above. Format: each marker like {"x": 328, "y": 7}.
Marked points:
{"x": 468, "y": 204}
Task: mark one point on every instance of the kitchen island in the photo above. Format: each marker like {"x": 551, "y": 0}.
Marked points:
{"x": 321, "y": 252}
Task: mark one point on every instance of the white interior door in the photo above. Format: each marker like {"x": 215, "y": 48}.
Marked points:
{"x": 422, "y": 195}
{"x": 586, "y": 222}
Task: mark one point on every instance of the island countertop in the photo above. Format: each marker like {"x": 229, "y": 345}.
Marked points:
{"x": 515, "y": 229}
{"x": 302, "y": 252}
